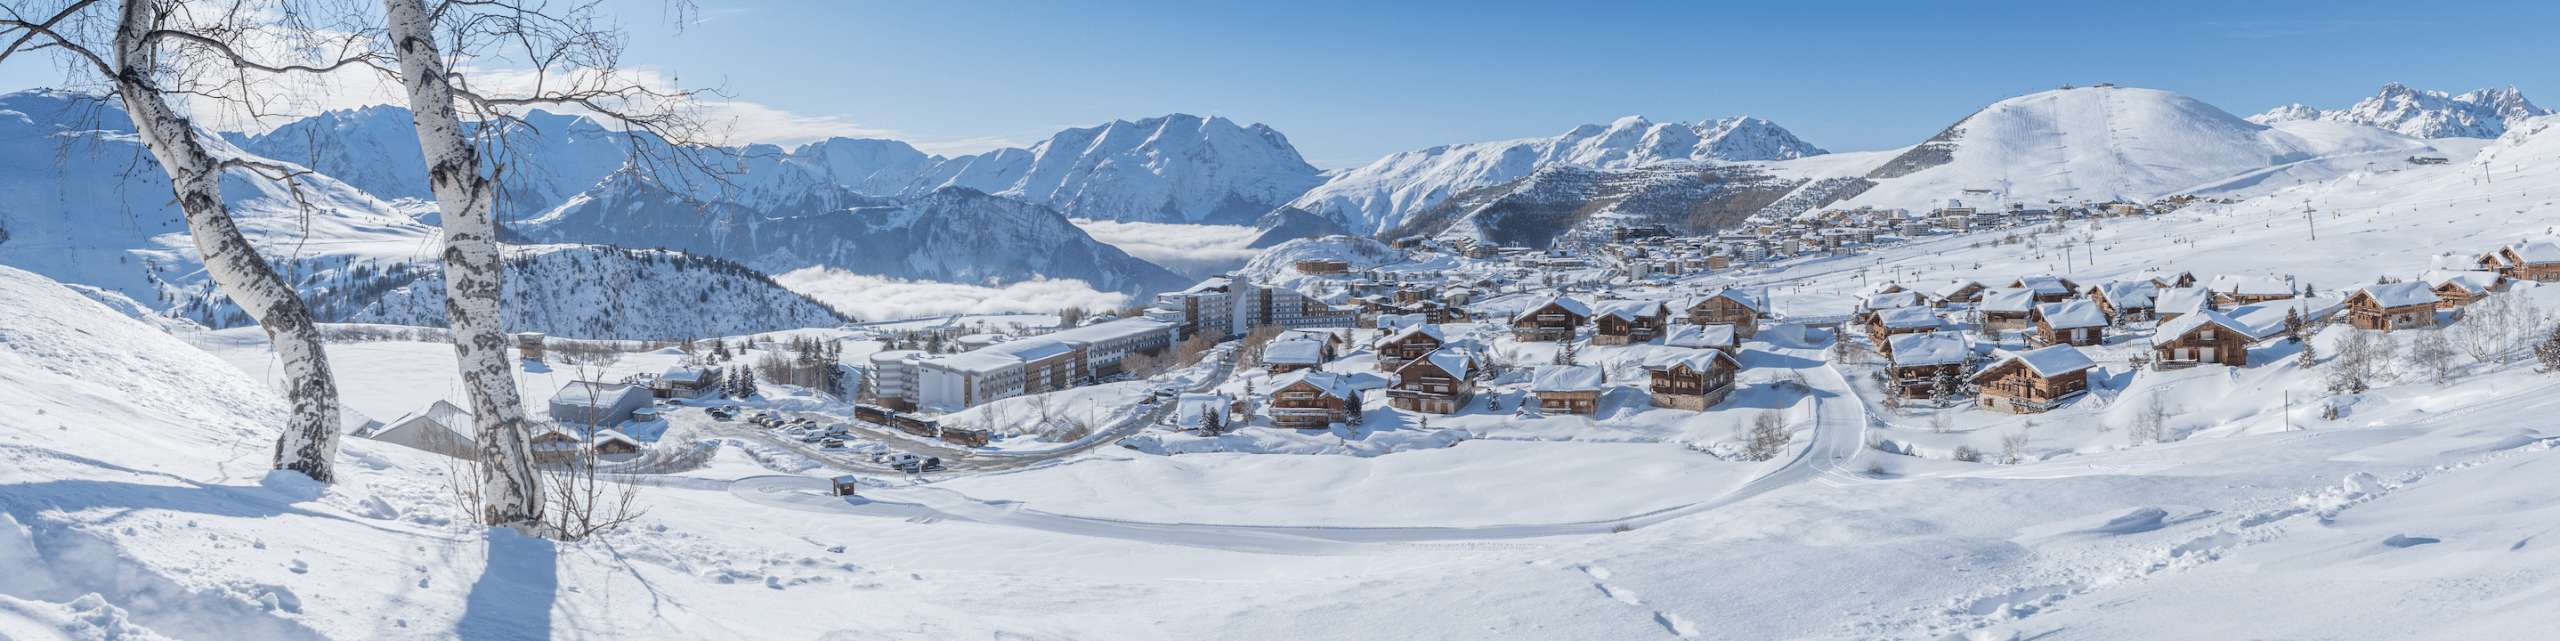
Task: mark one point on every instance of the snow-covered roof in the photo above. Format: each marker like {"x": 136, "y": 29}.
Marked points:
{"x": 1952, "y": 288}
{"x": 2537, "y": 252}
{"x": 2045, "y": 284}
{"x": 1753, "y": 297}
{"x": 1114, "y": 330}
{"x": 2008, "y": 300}
{"x": 1929, "y": 348}
{"x": 2179, "y": 300}
{"x": 1627, "y": 309}
{"x": 2178, "y": 327}
{"x": 2253, "y": 285}
{"x": 978, "y": 362}
{"x": 2071, "y": 314}
{"x": 1031, "y": 349}
{"x": 594, "y": 394}
{"x": 1893, "y": 300}
{"x": 2401, "y": 294}
{"x": 441, "y": 413}
{"x": 1566, "y": 378}
{"x": 1699, "y": 336}
{"x": 1907, "y": 318}
{"x": 1410, "y": 331}
{"x": 2470, "y": 282}
{"x": 1298, "y": 352}
{"x": 1567, "y": 303}
{"x": 685, "y": 374}
{"x": 2137, "y": 293}
{"x": 1450, "y": 360}
{"x": 1700, "y": 360}
{"x": 1336, "y": 385}
{"x": 2047, "y": 362}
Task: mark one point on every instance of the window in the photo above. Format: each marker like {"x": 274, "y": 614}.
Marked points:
{"x": 2208, "y": 334}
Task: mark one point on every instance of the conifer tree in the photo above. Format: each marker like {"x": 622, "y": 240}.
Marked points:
{"x": 746, "y": 379}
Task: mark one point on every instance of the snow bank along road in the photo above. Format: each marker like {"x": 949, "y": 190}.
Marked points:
{"x": 1839, "y": 423}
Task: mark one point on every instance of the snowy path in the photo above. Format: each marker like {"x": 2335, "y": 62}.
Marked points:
{"x": 1839, "y": 423}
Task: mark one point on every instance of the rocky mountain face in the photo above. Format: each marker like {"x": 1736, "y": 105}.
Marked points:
{"x": 543, "y": 161}
{"x": 2480, "y": 113}
{"x": 1384, "y": 195}
{"x": 592, "y": 291}
{"x": 1559, "y": 200}
{"x": 954, "y": 234}
{"x": 1174, "y": 169}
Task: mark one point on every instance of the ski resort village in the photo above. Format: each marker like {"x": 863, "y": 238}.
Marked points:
{"x": 469, "y": 356}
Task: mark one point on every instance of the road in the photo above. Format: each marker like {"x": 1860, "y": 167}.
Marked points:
{"x": 1838, "y": 418}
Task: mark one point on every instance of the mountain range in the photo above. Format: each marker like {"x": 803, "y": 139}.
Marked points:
{"x": 882, "y": 207}
{"x": 2483, "y": 113}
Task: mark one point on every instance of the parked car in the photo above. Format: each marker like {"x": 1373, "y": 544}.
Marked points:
{"x": 913, "y": 465}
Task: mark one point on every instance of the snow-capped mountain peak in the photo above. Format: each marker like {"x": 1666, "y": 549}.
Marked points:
{"x": 1384, "y": 194}
{"x": 2480, "y": 113}
{"x": 1175, "y": 168}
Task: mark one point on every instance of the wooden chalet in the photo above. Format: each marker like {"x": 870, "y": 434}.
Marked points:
{"x": 1572, "y": 389}
{"x": 1555, "y": 319}
{"x": 615, "y": 443}
{"x": 2132, "y": 300}
{"x": 1919, "y": 360}
{"x": 1693, "y": 381}
{"x": 1716, "y": 337}
{"x": 1740, "y": 308}
{"x": 2035, "y": 381}
{"x": 1310, "y": 400}
{"x": 1628, "y": 322}
{"x": 2392, "y": 306}
{"x": 2172, "y": 281}
{"x": 1437, "y": 383}
{"x": 2007, "y": 308}
{"x": 2048, "y": 288}
{"x": 2535, "y": 261}
{"x": 2069, "y": 323}
{"x": 1884, "y": 324}
{"x": 2460, "y": 289}
{"x": 2250, "y": 290}
{"x": 2204, "y": 337}
{"x": 1407, "y": 344}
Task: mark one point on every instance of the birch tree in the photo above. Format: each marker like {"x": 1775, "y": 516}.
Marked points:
{"x": 563, "y": 45}
{"x": 153, "y": 52}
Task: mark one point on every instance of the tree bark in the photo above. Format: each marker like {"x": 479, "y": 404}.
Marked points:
{"x": 310, "y": 441}
{"x": 511, "y": 493}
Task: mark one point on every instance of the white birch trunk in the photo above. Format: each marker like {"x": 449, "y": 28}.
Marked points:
{"x": 510, "y": 492}
{"x": 310, "y": 441}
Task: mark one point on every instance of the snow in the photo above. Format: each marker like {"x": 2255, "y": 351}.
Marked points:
{"x": 1298, "y": 352}
{"x": 882, "y": 298}
{"x": 2482, "y": 113}
{"x": 1699, "y": 336}
{"x": 2071, "y": 314}
{"x": 2049, "y": 361}
{"x": 2176, "y": 328}
{"x": 2007, "y": 300}
{"x": 1379, "y": 196}
{"x": 1566, "y": 378}
{"x": 2401, "y": 294}
{"x": 1907, "y": 318}
{"x": 1929, "y": 348}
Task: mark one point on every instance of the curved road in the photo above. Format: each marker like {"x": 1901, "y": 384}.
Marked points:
{"x": 1839, "y": 425}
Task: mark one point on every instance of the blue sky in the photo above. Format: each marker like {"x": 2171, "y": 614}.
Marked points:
{"x": 1351, "y": 81}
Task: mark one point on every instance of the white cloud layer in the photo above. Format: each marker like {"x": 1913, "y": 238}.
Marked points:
{"x": 1190, "y": 250}
{"x": 878, "y": 298}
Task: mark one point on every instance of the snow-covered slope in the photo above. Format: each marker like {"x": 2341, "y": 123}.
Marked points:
{"x": 2480, "y": 113}
{"x": 1540, "y": 209}
{"x": 1385, "y": 193}
{"x": 954, "y": 235}
{"x": 83, "y": 202}
{"x": 2100, "y": 144}
{"x": 593, "y": 291}
{"x": 1176, "y": 169}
